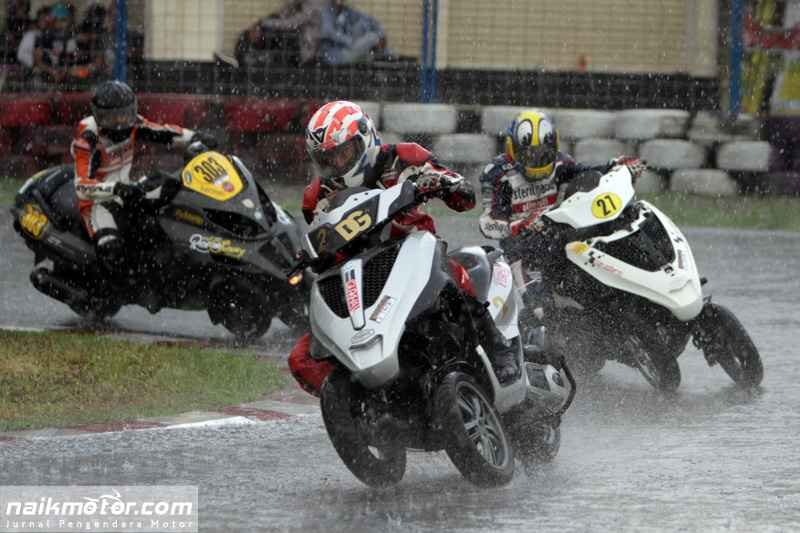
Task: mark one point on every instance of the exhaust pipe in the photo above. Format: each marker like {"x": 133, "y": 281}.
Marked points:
{"x": 47, "y": 283}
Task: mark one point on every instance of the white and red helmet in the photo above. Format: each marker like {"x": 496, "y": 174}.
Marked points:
{"x": 332, "y": 131}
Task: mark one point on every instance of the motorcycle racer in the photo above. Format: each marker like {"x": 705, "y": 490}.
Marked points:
{"x": 346, "y": 150}
{"x": 103, "y": 154}
{"x": 528, "y": 179}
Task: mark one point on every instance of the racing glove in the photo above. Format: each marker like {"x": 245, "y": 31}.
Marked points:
{"x": 634, "y": 164}
{"x": 533, "y": 224}
{"x": 129, "y": 193}
{"x": 438, "y": 182}
{"x": 207, "y": 139}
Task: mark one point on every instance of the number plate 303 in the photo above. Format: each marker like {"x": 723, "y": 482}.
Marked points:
{"x": 213, "y": 175}
{"x": 34, "y": 223}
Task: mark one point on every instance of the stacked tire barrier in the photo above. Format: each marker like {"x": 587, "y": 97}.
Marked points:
{"x": 693, "y": 153}
{"x": 701, "y": 153}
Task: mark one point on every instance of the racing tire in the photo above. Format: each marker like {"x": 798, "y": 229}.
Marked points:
{"x": 536, "y": 443}
{"x": 653, "y": 357}
{"x": 472, "y": 432}
{"x": 242, "y": 308}
{"x": 728, "y": 343}
{"x": 377, "y": 462}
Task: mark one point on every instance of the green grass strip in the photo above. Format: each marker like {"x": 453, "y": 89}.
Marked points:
{"x": 58, "y": 380}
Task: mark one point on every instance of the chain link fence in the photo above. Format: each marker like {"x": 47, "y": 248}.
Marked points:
{"x": 567, "y": 53}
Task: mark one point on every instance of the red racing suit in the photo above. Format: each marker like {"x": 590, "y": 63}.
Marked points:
{"x": 396, "y": 164}
{"x": 100, "y": 163}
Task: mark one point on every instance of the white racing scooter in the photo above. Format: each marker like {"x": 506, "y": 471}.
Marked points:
{"x": 625, "y": 287}
{"x": 408, "y": 370}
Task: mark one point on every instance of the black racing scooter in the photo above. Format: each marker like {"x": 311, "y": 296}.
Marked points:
{"x": 207, "y": 238}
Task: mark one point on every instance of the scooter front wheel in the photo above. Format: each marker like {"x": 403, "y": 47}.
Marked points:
{"x": 472, "y": 431}
{"x": 242, "y": 308}
{"x": 724, "y": 340}
{"x": 374, "y": 458}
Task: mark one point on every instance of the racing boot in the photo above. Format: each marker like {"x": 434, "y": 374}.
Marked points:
{"x": 111, "y": 251}
{"x": 500, "y": 350}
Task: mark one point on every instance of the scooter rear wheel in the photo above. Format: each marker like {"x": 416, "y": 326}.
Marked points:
{"x": 537, "y": 442}
{"x": 375, "y": 459}
{"x": 472, "y": 431}
{"x": 727, "y": 342}
{"x": 653, "y": 357}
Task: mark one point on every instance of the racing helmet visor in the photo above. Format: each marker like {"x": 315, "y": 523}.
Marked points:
{"x": 115, "y": 118}
{"x": 535, "y": 156}
{"x": 341, "y": 159}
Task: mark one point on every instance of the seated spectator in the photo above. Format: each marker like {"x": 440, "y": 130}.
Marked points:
{"x": 349, "y": 36}
{"x": 16, "y": 25}
{"x": 294, "y": 29}
{"x": 54, "y": 52}
{"x": 251, "y": 46}
{"x": 28, "y": 43}
{"x": 286, "y": 37}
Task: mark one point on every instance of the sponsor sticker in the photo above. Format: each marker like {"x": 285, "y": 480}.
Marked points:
{"x": 683, "y": 261}
{"x": 351, "y": 288}
{"x": 501, "y": 275}
{"x": 610, "y": 268}
{"x": 215, "y": 245}
{"x": 579, "y": 248}
{"x": 188, "y": 216}
{"x": 382, "y": 310}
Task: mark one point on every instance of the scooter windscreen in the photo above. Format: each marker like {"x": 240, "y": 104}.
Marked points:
{"x": 358, "y": 213}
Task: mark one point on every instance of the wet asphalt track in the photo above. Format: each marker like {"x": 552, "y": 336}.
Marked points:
{"x": 713, "y": 458}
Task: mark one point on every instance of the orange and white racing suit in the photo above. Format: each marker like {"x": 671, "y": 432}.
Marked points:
{"x": 101, "y": 163}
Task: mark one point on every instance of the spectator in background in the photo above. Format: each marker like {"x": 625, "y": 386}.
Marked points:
{"x": 251, "y": 47}
{"x": 91, "y": 40}
{"x": 28, "y": 43}
{"x": 288, "y": 36}
{"x": 16, "y": 25}
{"x": 297, "y": 26}
{"x": 348, "y": 36}
{"x": 54, "y": 53}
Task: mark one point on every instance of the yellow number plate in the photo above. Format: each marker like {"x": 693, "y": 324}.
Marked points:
{"x": 213, "y": 175}
{"x": 606, "y": 205}
{"x": 33, "y": 221}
